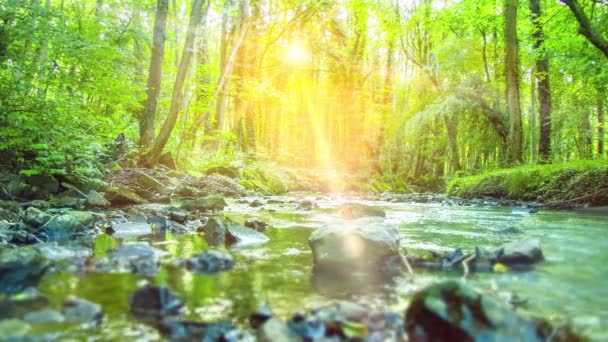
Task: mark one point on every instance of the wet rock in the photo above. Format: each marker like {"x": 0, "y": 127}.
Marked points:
{"x": 308, "y": 328}
{"x": 82, "y": 311}
{"x": 127, "y": 229}
{"x": 44, "y": 316}
{"x": 256, "y": 203}
{"x": 260, "y": 316}
{"x": 223, "y": 231}
{"x": 96, "y": 199}
{"x": 121, "y": 196}
{"x": 305, "y": 205}
{"x": 520, "y": 252}
{"x": 350, "y": 211}
{"x": 524, "y": 210}
{"x": 209, "y": 203}
{"x": 178, "y": 215}
{"x": 14, "y": 330}
{"x": 256, "y": 224}
{"x": 55, "y": 252}
{"x": 137, "y": 257}
{"x": 210, "y": 261}
{"x": 152, "y": 303}
{"x": 452, "y": 311}
{"x": 158, "y": 221}
{"x": 63, "y": 227}
{"x": 275, "y": 330}
{"x": 67, "y": 202}
{"x": 177, "y": 330}
{"x": 21, "y": 268}
{"x": 360, "y": 245}
{"x": 35, "y": 217}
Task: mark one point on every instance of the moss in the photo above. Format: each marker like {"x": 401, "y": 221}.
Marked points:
{"x": 555, "y": 182}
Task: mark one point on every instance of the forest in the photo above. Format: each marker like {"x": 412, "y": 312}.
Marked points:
{"x": 179, "y": 153}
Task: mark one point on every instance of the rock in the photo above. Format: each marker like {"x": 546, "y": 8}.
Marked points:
{"x": 256, "y": 224}
{"x": 63, "y": 227}
{"x": 260, "y": 316}
{"x": 66, "y": 202}
{"x": 14, "y": 330}
{"x": 96, "y": 199}
{"x": 452, "y": 311}
{"x": 138, "y": 257}
{"x": 33, "y": 187}
{"x": 86, "y": 217}
{"x": 55, "y": 252}
{"x": 360, "y": 245}
{"x": 178, "y": 215}
{"x": 166, "y": 159}
{"x": 209, "y": 203}
{"x": 128, "y": 229}
{"x": 21, "y": 268}
{"x": 309, "y": 329}
{"x": 256, "y": 203}
{"x": 305, "y": 205}
{"x": 44, "y": 316}
{"x": 524, "y": 210}
{"x": 35, "y": 217}
{"x": 210, "y": 261}
{"x": 120, "y": 196}
{"x": 155, "y": 302}
{"x": 160, "y": 222}
{"x": 275, "y": 330}
{"x": 82, "y": 311}
{"x": 221, "y": 232}
{"x": 177, "y": 330}
{"x": 350, "y": 211}
{"x": 520, "y": 252}
{"x": 149, "y": 183}
{"x": 225, "y": 170}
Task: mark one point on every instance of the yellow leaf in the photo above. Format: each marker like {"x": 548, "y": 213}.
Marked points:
{"x": 501, "y": 268}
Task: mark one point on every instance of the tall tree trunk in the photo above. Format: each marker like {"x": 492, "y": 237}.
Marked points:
{"x": 152, "y": 158}
{"x": 220, "y": 102}
{"x": 512, "y": 78}
{"x": 544, "y": 87}
{"x": 146, "y": 122}
{"x": 600, "y": 121}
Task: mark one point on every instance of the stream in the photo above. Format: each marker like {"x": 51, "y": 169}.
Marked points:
{"x": 570, "y": 284}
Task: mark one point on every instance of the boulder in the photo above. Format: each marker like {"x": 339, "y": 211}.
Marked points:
{"x": 350, "y": 211}
{"x": 452, "y": 311}
{"x": 62, "y": 227}
{"x": 82, "y": 311}
{"x": 120, "y": 196}
{"x": 35, "y": 217}
{"x": 256, "y": 203}
{"x": 208, "y": 203}
{"x": 520, "y": 252}
{"x": 21, "y": 268}
{"x": 96, "y": 199}
{"x": 154, "y": 303}
{"x": 223, "y": 231}
{"x": 256, "y": 224}
{"x": 210, "y": 261}
{"x": 275, "y": 330}
{"x": 359, "y": 245}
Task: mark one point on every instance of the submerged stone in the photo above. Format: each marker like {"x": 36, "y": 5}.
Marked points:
{"x": 210, "y": 261}
{"x": 275, "y": 330}
{"x": 82, "y": 311}
{"x": 178, "y": 330}
{"x": 256, "y": 224}
{"x": 452, "y": 311}
{"x": 155, "y": 302}
{"x": 223, "y": 231}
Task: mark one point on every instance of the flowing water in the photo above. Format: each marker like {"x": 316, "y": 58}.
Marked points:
{"x": 571, "y": 284}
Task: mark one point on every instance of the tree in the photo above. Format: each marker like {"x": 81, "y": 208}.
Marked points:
{"x": 541, "y": 72}
{"x": 146, "y": 122}
{"x": 585, "y": 26}
{"x": 512, "y": 79}
{"x": 151, "y": 158}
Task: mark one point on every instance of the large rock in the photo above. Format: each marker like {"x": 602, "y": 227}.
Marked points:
{"x": 21, "y": 268}
{"x": 223, "y": 231}
{"x": 209, "y": 203}
{"x": 63, "y": 227}
{"x": 520, "y": 252}
{"x": 350, "y": 211}
{"x": 359, "y": 245}
{"x": 96, "y": 199}
{"x": 120, "y": 196}
{"x": 452, "y": 311}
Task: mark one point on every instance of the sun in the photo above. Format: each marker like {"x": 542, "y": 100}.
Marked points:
{"x": 297, "y": 54}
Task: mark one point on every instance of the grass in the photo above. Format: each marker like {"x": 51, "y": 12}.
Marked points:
{"x": 548, "y": 183}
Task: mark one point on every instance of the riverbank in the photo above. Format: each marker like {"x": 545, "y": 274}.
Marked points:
{"x": 563, "y": 185}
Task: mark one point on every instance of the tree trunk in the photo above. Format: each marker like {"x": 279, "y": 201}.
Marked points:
{"x": 600, "y": 121}
{"x": 512, "y": 79}
{"x": 544, "y": 88}
{"x": 146, "y": 122}
{"x": 151, "y": 158}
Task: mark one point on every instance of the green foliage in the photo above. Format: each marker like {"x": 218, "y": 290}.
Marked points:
{"x": 271, "y": 178}
{"x": 554, "y": 182}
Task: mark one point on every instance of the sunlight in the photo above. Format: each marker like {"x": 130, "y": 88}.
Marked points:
{"x": 297, "y": 54}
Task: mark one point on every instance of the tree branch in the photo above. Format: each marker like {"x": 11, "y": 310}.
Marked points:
{"x": 585, "y": 26}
